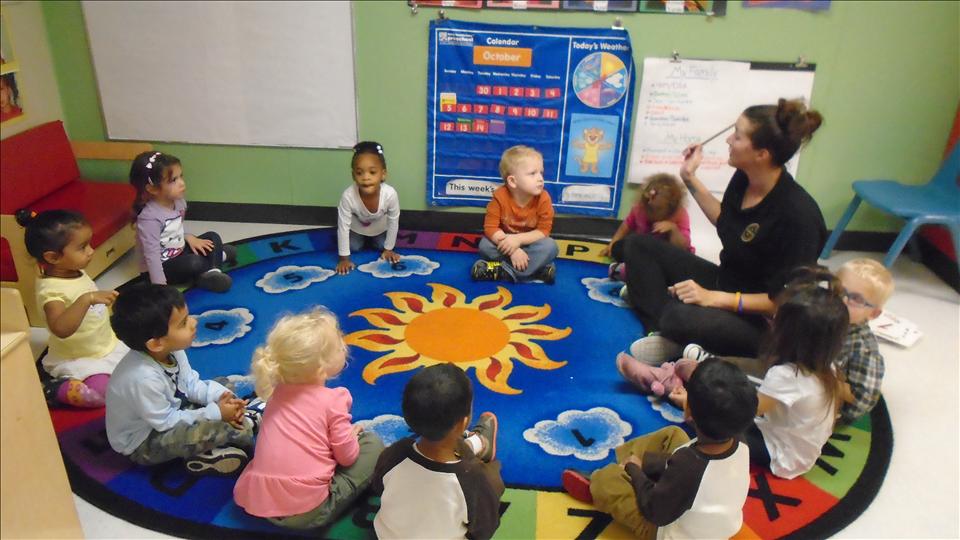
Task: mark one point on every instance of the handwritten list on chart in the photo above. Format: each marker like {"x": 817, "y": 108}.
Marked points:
{"x": 684, "y": 102}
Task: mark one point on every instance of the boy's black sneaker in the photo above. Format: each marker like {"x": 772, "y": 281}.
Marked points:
{"x": 486, "y": 271}
{"x": 218, "y": 461}
{"x": 548, "y": 274}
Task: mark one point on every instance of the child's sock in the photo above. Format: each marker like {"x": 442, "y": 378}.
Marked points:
{"x": 77, "y": 394}
{"x": 98, "y": 383}
{"x": 474, "y": 441}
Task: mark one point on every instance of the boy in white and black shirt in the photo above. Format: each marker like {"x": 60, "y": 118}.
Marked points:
{"x": 688, "y": 488}
{"x": 441, "y": 485}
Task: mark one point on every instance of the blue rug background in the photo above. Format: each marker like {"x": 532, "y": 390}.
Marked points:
{"x": 590, "y": 378}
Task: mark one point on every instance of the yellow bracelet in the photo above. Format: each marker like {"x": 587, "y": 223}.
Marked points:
{"x": 738, "y": 300}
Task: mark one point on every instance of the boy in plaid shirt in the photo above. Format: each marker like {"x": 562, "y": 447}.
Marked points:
{"x": 868, "y": 285}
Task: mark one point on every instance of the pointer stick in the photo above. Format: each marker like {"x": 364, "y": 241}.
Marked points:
{"x": 717, "y": 134}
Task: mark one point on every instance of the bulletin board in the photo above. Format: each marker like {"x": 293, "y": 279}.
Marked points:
{"x": 568, "y": 92}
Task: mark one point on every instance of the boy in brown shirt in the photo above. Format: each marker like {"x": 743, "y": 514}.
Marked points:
{"x": 516, "y": 243}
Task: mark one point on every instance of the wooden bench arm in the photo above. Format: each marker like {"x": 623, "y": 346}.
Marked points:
{"x": 117, "y": 151}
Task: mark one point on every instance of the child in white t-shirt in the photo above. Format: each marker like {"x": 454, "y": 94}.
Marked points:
{"x": 800, "y": 391}
{"x": 369, "y": 210}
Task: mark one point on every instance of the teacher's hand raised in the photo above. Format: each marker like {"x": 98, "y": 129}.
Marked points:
{"x": 692, "y": 157}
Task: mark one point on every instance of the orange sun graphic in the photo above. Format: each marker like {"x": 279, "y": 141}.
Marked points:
{"x": 483, "y": 334}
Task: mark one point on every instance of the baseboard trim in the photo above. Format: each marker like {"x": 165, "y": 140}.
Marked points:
{"x": 463, "y": 222}
{"x": 939, "y": 263}
{"x": 567, "y": 226}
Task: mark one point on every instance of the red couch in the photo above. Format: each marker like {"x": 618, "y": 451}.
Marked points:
{"x": 38, "y": 171}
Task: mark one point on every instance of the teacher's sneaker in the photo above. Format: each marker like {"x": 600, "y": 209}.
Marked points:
{"x": 217, "y": 461}
{"x": 696, "y": 352}
{"x": 655, "y": 349}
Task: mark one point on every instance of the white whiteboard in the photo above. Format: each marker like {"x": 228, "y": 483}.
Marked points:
{"x": 687, "y": 101}
{"x": 243, "y": 73}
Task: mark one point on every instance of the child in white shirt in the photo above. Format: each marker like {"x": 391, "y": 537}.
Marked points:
{"x": 369, "y": 210}
{"x": 800, "y": 391}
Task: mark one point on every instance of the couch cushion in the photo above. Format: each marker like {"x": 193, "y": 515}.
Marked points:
{"x": 35, "y": 163}
{"x": 107, "y": 206}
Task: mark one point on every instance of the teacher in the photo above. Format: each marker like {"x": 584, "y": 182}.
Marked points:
{"x": 767, "y": 224}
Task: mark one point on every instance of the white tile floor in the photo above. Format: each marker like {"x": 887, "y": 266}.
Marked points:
{"x": 920, "y": 496}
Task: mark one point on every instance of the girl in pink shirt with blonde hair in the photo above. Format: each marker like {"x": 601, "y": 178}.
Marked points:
{"x": 311, "y": 462}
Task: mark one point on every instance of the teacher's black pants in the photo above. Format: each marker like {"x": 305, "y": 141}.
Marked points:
{"x": 652, "y": 266}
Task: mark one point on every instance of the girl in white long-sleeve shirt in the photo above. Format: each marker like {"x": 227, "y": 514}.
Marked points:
{"x": 369, "y": 210}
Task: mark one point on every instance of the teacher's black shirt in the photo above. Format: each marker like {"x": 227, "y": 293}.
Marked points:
{"x": 762, "y": 244}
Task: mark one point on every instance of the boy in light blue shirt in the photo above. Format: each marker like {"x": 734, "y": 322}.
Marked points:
{"x": 158, "y": 408}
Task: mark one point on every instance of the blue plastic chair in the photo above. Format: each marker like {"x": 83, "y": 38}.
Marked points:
{"x": 937, "y": 202}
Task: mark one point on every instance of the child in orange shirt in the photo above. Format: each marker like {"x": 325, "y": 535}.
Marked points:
{"x": 516, "y": 243}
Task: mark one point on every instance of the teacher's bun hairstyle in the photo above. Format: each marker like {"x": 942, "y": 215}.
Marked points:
{"x": 782, "y": 128}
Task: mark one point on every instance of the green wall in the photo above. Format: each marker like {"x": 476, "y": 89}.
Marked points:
{"x": 887, "y": 84}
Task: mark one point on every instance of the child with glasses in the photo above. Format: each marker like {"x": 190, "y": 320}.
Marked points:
{"x": 369, "y": 211}
{"x": 867, "y": 286}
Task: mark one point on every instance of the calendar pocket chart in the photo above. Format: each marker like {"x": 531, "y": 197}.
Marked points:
{"x": 568, "y": 92}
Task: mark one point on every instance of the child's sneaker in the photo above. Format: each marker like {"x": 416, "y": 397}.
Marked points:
{"x": 217, "y": 461}
{"x": 486, "y": 271}
{"x": 486, "y": 428}
{"x": 548, "y": 274}
{"x": 655, "y": 349}
{"x": 257, "y": 404}
{"x": 615, "y": 272}
{"x": 577, "y": 484}
{"x": 51, "y": 388}
{"x": 254, "y": 417}
{"x": 696, "y": 353}
{"x": 229, "y": 254}
{"x": 214, "y": 280}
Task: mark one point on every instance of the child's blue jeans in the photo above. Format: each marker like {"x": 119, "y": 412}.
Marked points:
{"x": 541, "y": 253}
{"x": 359, "y": 241}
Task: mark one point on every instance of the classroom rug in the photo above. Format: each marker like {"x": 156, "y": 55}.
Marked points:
{"x": 540, "y": 356}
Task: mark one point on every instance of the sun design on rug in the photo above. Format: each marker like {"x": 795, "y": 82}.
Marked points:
{"x": 483, "y": 334}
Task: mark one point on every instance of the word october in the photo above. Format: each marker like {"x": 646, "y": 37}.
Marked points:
{"x": 502, "y": 52}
